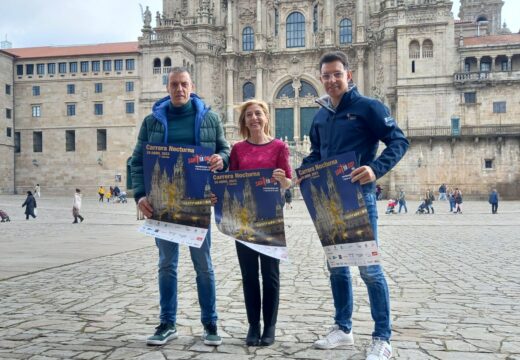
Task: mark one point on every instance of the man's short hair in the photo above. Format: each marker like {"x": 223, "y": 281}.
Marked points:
{"x": 334, "y": 56}
{"x": 178, "y": 70}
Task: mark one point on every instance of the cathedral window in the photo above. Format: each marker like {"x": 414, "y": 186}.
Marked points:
{"x": 156, "y": 63}
{"x": 37, "y": 141}
{"x": 295, "y": 30}
{"x": 499, "y": 107}
{"x": 130, "y": 64}
{"x": 315, "y": 19}
{"x": 248, "y": 91}
{"x": 470, "y": 97}
{"x": 414, "y": 50}
{"x": 167, "y": 62}
{"x": 345, "y": 32}
{"x": 276, "y": 21}
{"x": 70, "y": 140}
{"x": 427, "y": 49}
{"x": 107, "y": 65}
{"x": 307, "y": 90}
{"x": 286, "y": 91}
{"x": 248, "y": 39}
{"x": 101, "y": 139}
{"x": 118, "y": 65}
{"x": 485, "y": 66}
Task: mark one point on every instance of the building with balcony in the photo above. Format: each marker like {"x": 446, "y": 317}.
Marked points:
{"x": 451, "y": 85}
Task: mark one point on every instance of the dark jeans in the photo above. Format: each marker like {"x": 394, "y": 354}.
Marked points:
{"x": 250, "y": 261}
{"x": 494, "y": 208}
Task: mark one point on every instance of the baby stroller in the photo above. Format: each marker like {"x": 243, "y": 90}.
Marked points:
{"x": 4, "y": 216}
{"x": 423, "y": 208}
{"x": 390, "y": 207}
{"x": 122, "y": 197}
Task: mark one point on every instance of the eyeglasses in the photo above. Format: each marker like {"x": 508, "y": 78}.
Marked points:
{"x": 337, "y": 75}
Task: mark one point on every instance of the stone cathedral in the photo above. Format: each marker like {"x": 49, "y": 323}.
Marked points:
{"x": 452, "y": 85}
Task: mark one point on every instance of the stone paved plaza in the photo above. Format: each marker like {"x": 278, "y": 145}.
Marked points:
{"x": 89, "y": 291}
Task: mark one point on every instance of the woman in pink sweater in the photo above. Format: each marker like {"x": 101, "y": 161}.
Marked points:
{"x": 259, "y": 150}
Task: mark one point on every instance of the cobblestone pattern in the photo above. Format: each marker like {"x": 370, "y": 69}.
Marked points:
{"x": 454, "y": 280}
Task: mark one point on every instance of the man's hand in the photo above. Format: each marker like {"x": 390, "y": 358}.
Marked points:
{"x": 363, "y": 174}
{"x": 216, "y": 163}
{"x": 145, "y": 207}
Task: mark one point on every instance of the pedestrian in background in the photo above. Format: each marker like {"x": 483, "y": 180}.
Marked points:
{"x": 288, "y": 198}
{"x": 37, "y": 190}
{"x": 428, "y": 198}
{"x": 493, "y": 200}
{"x": 76, "y": 207}
{"x": 442, "y": 192}
{"x": 30, "y": 206}
{"x": 101, "y": 193}
{"x": 458, "y": 201}
{"x": 401, "y": 198}
{"x": 451, "y": 199}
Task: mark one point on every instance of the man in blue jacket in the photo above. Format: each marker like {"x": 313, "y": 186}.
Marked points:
{"x": 181, "y": 118}
{"x": 347, "y": 122}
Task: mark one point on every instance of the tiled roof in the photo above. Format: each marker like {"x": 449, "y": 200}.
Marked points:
{"x": 76, "y": 50}
{"x": 492, "y": 40}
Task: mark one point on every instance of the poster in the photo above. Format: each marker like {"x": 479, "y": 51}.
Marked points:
{"x": 176, "y": 180}
{"x": 249, "y": 209}
{"x": 338, "y": 211}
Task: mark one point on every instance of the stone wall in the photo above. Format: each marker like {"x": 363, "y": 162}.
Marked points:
{"x": 6, "y": 124}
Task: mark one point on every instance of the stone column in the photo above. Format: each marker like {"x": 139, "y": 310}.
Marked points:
{"x": 296, "y": 86}
{"x": 259, "y": 93}
{"x": 229, "y": 25}
{"x": 229, "y": 91}
{"x": 492, "y": 66}
{"x": 258, "y": 33}
{"x": 509, "y": 64}
{"x": 360, "y": 19}
{"x": 328, "y": 22}
{"x": 360, "y": 53}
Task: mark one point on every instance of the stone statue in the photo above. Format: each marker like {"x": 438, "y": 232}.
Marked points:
{"x": 147, "y": 17}
{"x": 157, "y": 18}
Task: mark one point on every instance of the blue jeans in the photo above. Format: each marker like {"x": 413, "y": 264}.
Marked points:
{"x": 401, "y": 205}
{"x": 168, "y": 261}
{"x": 341, "y": 284}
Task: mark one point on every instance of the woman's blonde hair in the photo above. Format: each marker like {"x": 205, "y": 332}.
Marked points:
{"x": 242, "y": 108}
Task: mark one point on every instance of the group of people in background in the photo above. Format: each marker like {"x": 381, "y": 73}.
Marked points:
{"x": 112, "y": 192}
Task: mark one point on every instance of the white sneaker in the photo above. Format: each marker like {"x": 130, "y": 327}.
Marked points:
{"x": 336, "y": 337}
{"x": 379, "y": 350}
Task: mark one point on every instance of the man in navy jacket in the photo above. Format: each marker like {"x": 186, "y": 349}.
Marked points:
{"x": 347, "y": 122}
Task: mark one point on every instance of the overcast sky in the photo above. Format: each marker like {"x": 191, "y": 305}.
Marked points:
{"x": 67, "y": 22}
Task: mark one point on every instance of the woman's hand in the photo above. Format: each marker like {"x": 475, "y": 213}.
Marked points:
{"x": 279, "y": 175}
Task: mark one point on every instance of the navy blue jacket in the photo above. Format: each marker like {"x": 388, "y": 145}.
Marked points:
{"x": 357, "y": 124}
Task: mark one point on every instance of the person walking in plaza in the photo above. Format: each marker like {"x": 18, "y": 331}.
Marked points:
{"x": 493, "y": 200}
{"x": 101, "y": 193}
{"x": 30, "y": 206}
{"x": 288, "y": 198}
{"x": 76, "y": 207}
{"x": 457, "y": 196}
{"x": 428, "y": 198}
{"x": 401, "y": 198}
{"x": 37, "y": 190}
{"x": 181, "y": 118}
{"x": 451, "y": 199}
{"x": 379, "y": 192}
{"x": 108, "y": 195}
{"x": 442, "y": 192}
{"x": 260, "y": 150}
{"x": 346, "y": 122}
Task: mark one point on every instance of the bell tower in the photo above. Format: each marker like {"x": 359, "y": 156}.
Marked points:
{"x": 484, "y": 13}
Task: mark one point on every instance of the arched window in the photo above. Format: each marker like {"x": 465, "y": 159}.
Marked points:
{"x": 276, "y": 21}
{"x": 315, "y": 19}
{"x": 248, "y": 91}
{"x": 307, "y": 90}
{"x": 286, "y": 91}
{"x": 156, "y": 63}
{"x": 427, "y": 49}
{"x": 295, "y": 30}
{"x": 481, "y": 18}
{"x": 345, "y": 32}
{"x": 248, "y": 39}
{"x": 414, "y": 50}
{"x": 167, "y": 62}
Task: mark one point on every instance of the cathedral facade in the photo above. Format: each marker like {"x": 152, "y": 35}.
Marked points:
{"x": 451, "y": 85}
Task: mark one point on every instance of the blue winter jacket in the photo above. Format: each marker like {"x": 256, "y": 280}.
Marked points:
{"x": 208, "y": 133}
{"x": 357, "y": 124}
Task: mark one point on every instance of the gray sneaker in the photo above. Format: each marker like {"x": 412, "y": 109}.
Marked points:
{"x": 163, "y": 333}
{"x": 210, "y": 335}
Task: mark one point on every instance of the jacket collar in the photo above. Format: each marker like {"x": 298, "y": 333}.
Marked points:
{"x": 346, "y": 100}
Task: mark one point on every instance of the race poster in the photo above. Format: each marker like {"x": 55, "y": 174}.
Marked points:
{"x": 338, "y": 210}
{"x": 176, "y": 179}
{"x": 249, "y": 209}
